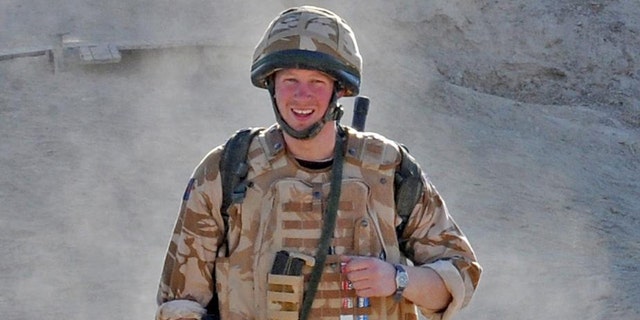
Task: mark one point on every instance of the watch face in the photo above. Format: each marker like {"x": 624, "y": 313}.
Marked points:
{"x": 403, "y": 279}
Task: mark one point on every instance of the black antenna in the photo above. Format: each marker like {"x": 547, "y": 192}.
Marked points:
{"x": 360, "y": 110}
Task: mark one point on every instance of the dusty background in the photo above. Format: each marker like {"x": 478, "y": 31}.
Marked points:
{"x": 525, "y": 114}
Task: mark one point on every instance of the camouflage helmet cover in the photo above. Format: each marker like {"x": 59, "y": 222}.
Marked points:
{"x": 309, "y": 37}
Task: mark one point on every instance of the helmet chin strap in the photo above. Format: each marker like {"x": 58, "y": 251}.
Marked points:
{"x": 333, "y": 112}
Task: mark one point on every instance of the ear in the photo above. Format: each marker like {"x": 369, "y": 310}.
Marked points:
{"x": 341, "y": 90}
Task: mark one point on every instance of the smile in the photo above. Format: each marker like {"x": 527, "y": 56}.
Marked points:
{"x": 302, "y": 112}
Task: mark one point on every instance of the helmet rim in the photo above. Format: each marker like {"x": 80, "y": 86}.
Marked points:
{"x": 347, "y": 77}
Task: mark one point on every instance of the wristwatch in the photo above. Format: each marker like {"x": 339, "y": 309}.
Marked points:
{"x": 402, "y": 280}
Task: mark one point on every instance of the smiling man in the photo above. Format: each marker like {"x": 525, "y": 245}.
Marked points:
{"x": 317, "y": 230}
{"x": 302, "y": 99}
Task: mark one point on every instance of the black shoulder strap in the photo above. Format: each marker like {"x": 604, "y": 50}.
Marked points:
{"x": 234, "y": 166}
{"x": 408, "y": 188}
{"x": 234, "y": 169}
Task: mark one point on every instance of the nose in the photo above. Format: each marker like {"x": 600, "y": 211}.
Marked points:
{"x": 302, "y": 91}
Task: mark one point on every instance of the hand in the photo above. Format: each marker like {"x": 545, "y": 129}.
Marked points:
{"x": 370, "y": 277}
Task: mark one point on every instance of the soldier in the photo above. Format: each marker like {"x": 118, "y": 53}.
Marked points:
{"x": 317, "y": 234}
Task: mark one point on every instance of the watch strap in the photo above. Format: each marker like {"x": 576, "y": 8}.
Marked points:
{"x": 400, "y": 273}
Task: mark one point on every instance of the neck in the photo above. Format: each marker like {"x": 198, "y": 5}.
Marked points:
{"x": 318, "y": 148}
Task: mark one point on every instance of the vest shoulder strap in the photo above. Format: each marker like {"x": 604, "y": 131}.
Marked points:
{"x": 377, "y": 152}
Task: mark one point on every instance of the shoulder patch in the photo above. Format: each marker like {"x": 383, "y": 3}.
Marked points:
{"x": 372, "y": 151}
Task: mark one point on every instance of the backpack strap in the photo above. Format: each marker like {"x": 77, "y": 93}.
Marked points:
{"x": 233, "y": 171}
{"x": 408, "y": 186}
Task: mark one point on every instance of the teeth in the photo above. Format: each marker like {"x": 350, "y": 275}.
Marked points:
{"x": 303, "y": 112}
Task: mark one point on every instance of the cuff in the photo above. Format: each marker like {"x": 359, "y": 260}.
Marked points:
{"x": 176, "y": 309}
{"x": 454, "y": 283}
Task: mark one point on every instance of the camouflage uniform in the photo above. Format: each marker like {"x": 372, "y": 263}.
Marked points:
{"x": 283, "y": 211}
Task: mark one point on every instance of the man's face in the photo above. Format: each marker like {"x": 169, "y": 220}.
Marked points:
{"x": 302, "y": 96}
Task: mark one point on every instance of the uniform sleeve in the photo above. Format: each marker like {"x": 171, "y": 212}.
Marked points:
{"x": 186, "y": 282}
{"x": 435, "y": 241}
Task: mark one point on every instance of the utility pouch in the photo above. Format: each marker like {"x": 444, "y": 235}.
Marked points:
{"x": 286, "y": 285}
{"x": 284, "y": 296}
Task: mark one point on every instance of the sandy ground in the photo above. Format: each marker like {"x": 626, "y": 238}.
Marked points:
{"x": 525, "y": 115}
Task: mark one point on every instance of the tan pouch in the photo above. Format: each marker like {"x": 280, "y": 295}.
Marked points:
{"x": 284, "y": 296}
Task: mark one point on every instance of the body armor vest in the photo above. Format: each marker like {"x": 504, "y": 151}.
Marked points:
{"x": 283, "y": 211}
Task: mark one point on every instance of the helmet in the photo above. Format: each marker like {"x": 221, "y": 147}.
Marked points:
{"x": 309, "y": 37}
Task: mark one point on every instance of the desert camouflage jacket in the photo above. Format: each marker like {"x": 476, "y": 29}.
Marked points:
{"x": 283, "y": 211}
